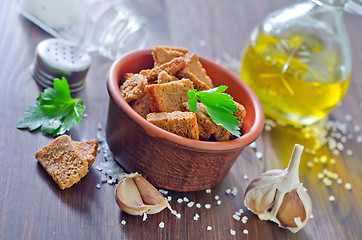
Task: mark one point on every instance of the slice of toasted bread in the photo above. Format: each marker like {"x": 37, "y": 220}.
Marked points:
{"x": 134, "y": 87}
{"x": 164, "y": 54}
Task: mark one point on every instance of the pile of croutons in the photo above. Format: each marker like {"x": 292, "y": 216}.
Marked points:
{"x": 160, "y": 95}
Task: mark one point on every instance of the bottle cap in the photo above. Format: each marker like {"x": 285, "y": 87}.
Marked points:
{"x": 57, "y": 58}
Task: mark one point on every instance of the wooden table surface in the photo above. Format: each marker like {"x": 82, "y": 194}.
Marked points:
{"x": 33, "y": 207}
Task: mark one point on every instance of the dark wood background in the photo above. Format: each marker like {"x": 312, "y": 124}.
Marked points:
{"x": 33, "y": 207}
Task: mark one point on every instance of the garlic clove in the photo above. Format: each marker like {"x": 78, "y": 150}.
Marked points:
{"x": 150, "y": 195}
{"x": 136, "y": 196}
{"x": 259, "y": 195}
{"x": 128, "y": 197}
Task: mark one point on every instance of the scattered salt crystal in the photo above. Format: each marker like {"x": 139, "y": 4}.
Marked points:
{"x": 202, "y": 43}
{"x": 209, "y": 228}
{"x": 244, "y": 219}
{"x": 232, "y": 232}
{"x": 180, "y": 200}
{"x": 228, "y": 191}
{"x": 349, "y": 152}
{"x": 110, "y": 182}
{"x": 327, "y": 181}
{"x": 357, "y": 128}
{"x": 174, "y": 212}
{"x": 245, "y": 177}
{"x": 123, "y": 222}
{"x": 217, "y": 197}
{"x": 161, "y": 225}
{"x": 208, "y": 190}
{"x": 207, "y": 206}
{"x": 185, "y": 199}
{"x": 241, "y": 211}
{"x": 348, "y": 186}
{"x": 196, "y": 217}
{"x": 198, "y": 205}
{"x": 178, "y": 215}
{"x": 258, "y": 155}
{"x": 99, "y": 126}
{"x": 169, "y": 198}
{"x": 144, "y": 217}
{"x": 98, "y": 186}
{"x": 311, "y": 216}
{"x": 339, "y": 181}
{"x": 238, "y": 213}
{"x": 349, "y": 135}
{"x": 359, "y": 139}
{"x": 236, "y": 217}
{"x": 245, "y": 231}
{"x": 252, "y": 145}
{"x": 348, "y": 117}
{"x": 164, "y": 192}
{"x": 335, "y": 152}
{"x": 218, "y": 202}
{"x": 234, "y": 192}
{"x": 98, "y": 168}
{"x": 190, "y": 204}
{"x": 331, "y": 198}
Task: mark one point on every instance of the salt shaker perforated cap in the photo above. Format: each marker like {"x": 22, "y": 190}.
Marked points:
{"x": 57, "y": 58}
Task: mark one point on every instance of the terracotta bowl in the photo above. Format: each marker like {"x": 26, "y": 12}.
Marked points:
{"x": 167, "y": 160}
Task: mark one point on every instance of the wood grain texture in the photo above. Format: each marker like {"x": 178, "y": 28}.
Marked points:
{"x": 33, "y": 207}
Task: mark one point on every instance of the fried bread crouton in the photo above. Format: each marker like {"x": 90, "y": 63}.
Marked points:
{"x": 208, "y": 126}
{"x": 240, "y": 114}
{"x": 63, "y": 161}
{"x": 181, "y": 123}
{"x": 171, "y": 68}
{"x": 141, "y": 106}
{"x": 164, "y": 54}
{"x": 164, "y": 77}
{"x": 198, "y": 84}
{"x": 168, "y": 97}
{"x": 194, "y": 66}
{"x": 134, "y": 87}
{"x": 87, "y": 150}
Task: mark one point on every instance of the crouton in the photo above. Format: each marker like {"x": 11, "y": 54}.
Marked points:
{"x": 134, "y": 87}
{"x": 168, "y": 97}
{"x": 67, "y": 161}
{"x": 164, "y": 54}
{"x": 171, "y": 68}
{"x": 198, "y": 84}
{"x": 208, "y": 126}
{"x": 181, "y": 123}
{"x": 164, "y": 77}
{"x": 141, "y": 106}
{"x": 240, "y": 114}
{"x": 194, "y": 66}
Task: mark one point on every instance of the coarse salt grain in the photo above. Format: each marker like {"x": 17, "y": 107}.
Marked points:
{"x": 164, "y": 192}
{"x": 238, "y": 213}
{"x": 98, "y": 186}
{"x": 252, "y": 145}
{"x": 234, "y": 192}
{"x": 178, "y": 215}
{"x": 208, "y": 190}
{"x": 232, "y": 232}
{"x": 144, "y": 217}
{"x": 359, "y": 139}
{"x": 241, "y": 211}
{"x": 186, "y": 199}
{"x": 339, "y": 181}
{"x": 218, "y": 202}
{"x": 348, "y": 186}
{"x": 331, "y": 198}
{"x": 245, "y": 177}
{"x": 348, "y": 117}
{"x": 169, "y": 198}
{"x": 357, "y": 128}
{"x": 180, "y": 200}
{"x": 258, "y": 155}
{"x": 198, "y": 205}
{"x": 196, "y": 217}
{"x": 228, "y": 191}
{"x": 245, "y": 231}
{"x": 311, "y": 216}
{"x": 349, "y": 152}
{"x": 190, "y": 204}
{"x": 209, "y": 228}
{"x": 217, "y": 197}
{"x": 161, "y": 225}
{"x": 123, "y": 222}
{"x": 236, "y": 217}
{"x": 207, "y": 206}
{"x": 244, "y": 219}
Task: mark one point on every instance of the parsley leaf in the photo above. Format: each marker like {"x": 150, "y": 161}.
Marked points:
{"x": 55, "y": 110}
{"x": 219, "y": 106}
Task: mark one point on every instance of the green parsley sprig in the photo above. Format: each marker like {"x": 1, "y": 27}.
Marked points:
{"x": 220, "y": 107}
{"x": 55, "y": 110}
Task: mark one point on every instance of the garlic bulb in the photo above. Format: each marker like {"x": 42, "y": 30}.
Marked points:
{"x": 136, "y": 196}
{"x": 277, "y": 195}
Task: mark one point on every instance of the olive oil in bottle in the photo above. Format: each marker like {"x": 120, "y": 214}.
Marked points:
{"x": 299, "y": 69}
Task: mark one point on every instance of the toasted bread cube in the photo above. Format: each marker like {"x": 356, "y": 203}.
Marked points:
{"x": 141, "y": 106}
{"x": 87, "y": 150}
{"x": 198, "y": 84}
{"x": 240, "y": 114}
{"x": 168, "y": 97}
{"x": 171, "y": 68}
{"x": 164, "y": 77}
{"x": 181, "y": 123}
{"x": 134, "y": 87}
{"x": 194, "y": 66}
{"x": 164, "y": 54}
{"x": 63, "y": 162}
{"x": 208, "y": 126}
